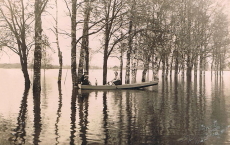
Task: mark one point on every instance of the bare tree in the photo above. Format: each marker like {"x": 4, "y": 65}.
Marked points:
{"x": 112, "y": 10}
{"x": 16, "y": 24}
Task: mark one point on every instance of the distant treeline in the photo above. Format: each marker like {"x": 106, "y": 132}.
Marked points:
{"x": 48, "y": 66}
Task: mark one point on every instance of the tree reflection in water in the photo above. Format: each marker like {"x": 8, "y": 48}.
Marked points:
{"x": 83, "y": 105}
{"x": 20, "y": 132}
{"x": 73, "y": 116}
{"x": 37, "y": 117}
{"x": 58, "y": 113}
{"x": 181, "y": 112}
{"x": 105, "y": 118}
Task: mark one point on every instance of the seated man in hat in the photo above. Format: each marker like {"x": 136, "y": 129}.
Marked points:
{"x": 86, "y": 81}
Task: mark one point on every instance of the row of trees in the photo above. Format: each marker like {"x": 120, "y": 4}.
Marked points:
{"x": 172, "y": 35}
{"x": 180, "y": 35}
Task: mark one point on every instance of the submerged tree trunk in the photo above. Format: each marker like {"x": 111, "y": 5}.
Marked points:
{"x": 134, "y": 72}
{"x": 85, "y": 39}
{"x": 176, "y": 68}
{"x": 73, "y": 43}
{"x": 106, "y": 47}
{"x": 81, "y": 64}
{"x": 38, "y": 43}
{"x": 25, "y": 73}
{"x": 195, "y": 67}
{"x": 189, "y": 69}
{"x": 23, "y": 61}
{"x": 134, "y": 67}
{"x": 155, "y": 67}
{"x": 201, "y": 65}
{"x": 171, "y": 66}
{"x": 163, "y": 66}
{"x": 84, "y": 53}
{"x": 127, "y": 74}
{"x": 58, "y": 46}
{"x": 105, "y": 60}
{"x": 121, "y": 64}
{"x": 167, "y": 67}
{"x": 146, "y": 68}
{"x": 182, "y": 70}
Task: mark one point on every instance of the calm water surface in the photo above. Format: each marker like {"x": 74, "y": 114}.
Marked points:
{"x": 172, "y": 113}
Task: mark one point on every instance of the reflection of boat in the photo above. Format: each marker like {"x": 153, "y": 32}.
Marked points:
{"x": 125, "y": 86}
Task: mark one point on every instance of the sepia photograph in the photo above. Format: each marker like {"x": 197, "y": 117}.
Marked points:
{"x": 114, "y": 72}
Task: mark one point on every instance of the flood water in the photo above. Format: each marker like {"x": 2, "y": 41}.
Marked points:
{"x": 172, "y": 113}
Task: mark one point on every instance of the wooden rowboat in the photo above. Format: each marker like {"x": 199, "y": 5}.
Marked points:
{"x": 113, "y": 87}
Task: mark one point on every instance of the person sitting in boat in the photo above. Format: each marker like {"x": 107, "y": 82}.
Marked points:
{"x": 86, "y": 80}
{"x": 116, "y": 80}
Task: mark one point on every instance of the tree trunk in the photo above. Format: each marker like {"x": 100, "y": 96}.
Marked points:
{"x": 85, "y": 39}
{"x": 195, "y": 67}
{"x": 37, "y": 51}
{"x": 73, "y": 43}
{"x": 167, "y": 66}
{"x": 155, "y": 68}
{"x": 23, "y": 62}
{"x": 134, "y": 72}
{"x": 171, "y": 66}
{"x": 25, "y": 74}
{"x": 105, "y": 60}
{"x": 189, "y": 69}
{"x": 134, "y": 67}
{"x": 58, "y": 46}
{"x": 84, "y": 53}
{"x": 121, "y": 64}
{"x": 81, "y": 64}
{"x": 182, "y": 70}
{"x": 163, "y": 67}
{"x": 176, "y": 69}
{"x": 60, "y": 67}
{"x": 201, "y": 66}
{"x": 146, "y": 67}
{"x": 127, "y": 74}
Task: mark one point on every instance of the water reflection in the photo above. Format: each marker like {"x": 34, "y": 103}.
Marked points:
{"x": 83, "y": 115}
{"x": 105, "y": 118}
{"x": 181, "y": 112}
{"x": 20, "y": 132}
{"x": 37, "y": 117}
{"x": 58, "y": 114}
{"x": 73, "y": 116}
